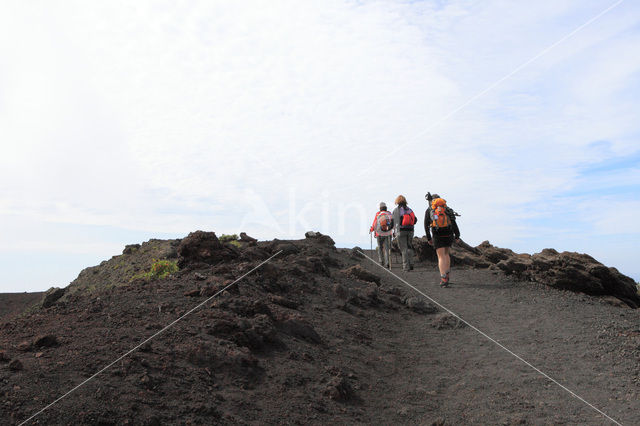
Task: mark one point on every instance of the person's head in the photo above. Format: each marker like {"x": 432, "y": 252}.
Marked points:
{"x": 383, "y": 207}
{"x": 401, "y": 201}
{"x": 434, "y": 196}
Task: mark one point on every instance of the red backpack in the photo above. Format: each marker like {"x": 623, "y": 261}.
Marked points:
{"x": 407, "y": 218}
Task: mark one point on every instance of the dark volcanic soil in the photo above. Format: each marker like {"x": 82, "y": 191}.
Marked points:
{"x": 303, "y": 341}
{"x": 15, "y": 303}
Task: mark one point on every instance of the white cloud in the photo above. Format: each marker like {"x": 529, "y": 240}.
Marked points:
{"x": 167, "y": 117}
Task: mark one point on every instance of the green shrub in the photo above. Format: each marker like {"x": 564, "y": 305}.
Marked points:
{"x": 159, "y": 270}
{"x": 162, "y": 268}
{"x": 228, "y": 238}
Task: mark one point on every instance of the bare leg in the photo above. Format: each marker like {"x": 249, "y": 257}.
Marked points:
{"x": 443, "y": 260}
{"x": 447, "y": 260}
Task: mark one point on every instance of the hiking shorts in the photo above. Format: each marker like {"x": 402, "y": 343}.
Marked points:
{"x": 442, "y": 241}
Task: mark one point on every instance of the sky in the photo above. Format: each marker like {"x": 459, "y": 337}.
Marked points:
{"x": 126, "y": 121}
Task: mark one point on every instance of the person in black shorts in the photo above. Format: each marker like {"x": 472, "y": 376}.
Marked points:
{"x": 443, "y": 237}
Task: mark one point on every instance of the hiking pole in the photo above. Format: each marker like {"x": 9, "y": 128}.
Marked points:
{"x": 371, "y": 238}
{"x": 389, "y": 250}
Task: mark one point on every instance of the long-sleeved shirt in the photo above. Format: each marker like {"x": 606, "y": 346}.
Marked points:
{"x": 440, "y": 231}
{"x": 397, "y": 220}
{"x": 374, "y": 226}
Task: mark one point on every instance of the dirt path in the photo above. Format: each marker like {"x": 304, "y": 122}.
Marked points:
{"x": 459, "y": 376}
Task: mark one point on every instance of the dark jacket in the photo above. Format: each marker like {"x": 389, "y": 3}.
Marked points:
{"x": 441, "y": 231}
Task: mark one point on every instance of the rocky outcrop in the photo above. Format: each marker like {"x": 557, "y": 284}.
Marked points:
{"x": 567, "y": 270}
{"x": 247, "y": 239}
{"x": 422, "y": 249}
{"x": 203, "y": 247}
{"x": 321, "y": 239}
{"x": 51, "y": 296}
{"x": 358, "y": 272}
{"x": 576, "y": 272}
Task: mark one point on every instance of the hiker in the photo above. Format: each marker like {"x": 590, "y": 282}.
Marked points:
{"x": 403, "y": 220}
{"x": 441, "y": 220}
{"x": 383, "y": 228}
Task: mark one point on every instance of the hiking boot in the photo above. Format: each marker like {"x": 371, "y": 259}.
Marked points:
{"x": 411, "y": 267}
{"x": 444, "y": 280}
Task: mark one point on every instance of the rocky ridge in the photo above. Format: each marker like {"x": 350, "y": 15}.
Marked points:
{"x": 304, "y": 339}
{"x": 567, "y": 270}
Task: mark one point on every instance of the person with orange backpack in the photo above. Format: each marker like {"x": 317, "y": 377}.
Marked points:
{"x": 404, "y": 219}
{"x": 383, "y": 228}
{"x": 441, "y": 220}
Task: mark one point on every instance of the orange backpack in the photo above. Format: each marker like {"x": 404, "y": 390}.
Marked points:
{"x": 439, "y": 214}
{"x": 383, "y": 223}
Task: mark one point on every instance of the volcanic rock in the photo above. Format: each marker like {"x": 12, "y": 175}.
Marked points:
{"x": 419, "y": 305}
{"x": 298, "y": 327}
{"x": 254, "y": 355}
{"x": 45, "y": 341}
{"x": 247, "y": 239}
{"x": 253, "y": 253}
{"x": 358, "y": 272}
{"x": 16, "y": 365}
{"x": 193, "y": 293}
{"x": 567, "y": 270}
{"x": 493, "y": 254}
{"x": 283, "y": 301}
{"x": 51, "y": 296}
{"x": 357, "y": 253}
{"x": 321, "y": 239}
{"x": 24, "y": 346}
{"x": 131, "y": 248}
{"x": 581, "y": 272}
{"x": 339, "y": 389}
{"x": 203, "y": 247}
{"x": 341, "y": 291}
{"x": 423, "y": 250}
{"x": 285, "y": 247}
{"x": 446, "y": 321}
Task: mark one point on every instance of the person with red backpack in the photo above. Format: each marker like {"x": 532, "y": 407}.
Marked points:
{"x": 441, "y": 220}
{"x": 383, "y": 228}
{"x": 404, "y": 219}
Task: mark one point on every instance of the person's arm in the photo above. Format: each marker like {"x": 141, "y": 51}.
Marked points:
{"x": 427, "y": 224}
{"x": 396, "y": 219}
{"x": 456, "y": 230}
{"x": 373, "y": 225}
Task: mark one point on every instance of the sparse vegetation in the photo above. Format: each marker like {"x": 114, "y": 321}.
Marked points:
{"x": 230, "y": 239}
{"x": 159, "y": 270}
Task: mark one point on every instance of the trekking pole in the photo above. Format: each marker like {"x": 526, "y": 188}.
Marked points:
{"x": 389, "y": 251}
{"x": 371, "y": 238}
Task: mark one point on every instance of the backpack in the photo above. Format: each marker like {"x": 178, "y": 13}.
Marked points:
{"x": 441, "y": 215}
{"x": 407, "y": 218}
{"x": 383, "y": 223}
